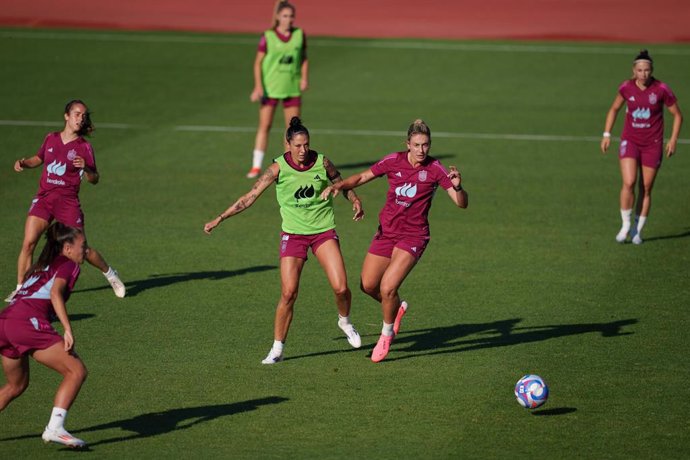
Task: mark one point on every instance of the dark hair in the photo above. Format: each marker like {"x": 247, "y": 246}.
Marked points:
{"x": 296, "y": 127}
{"x": 87, "y": 126}
{"x": 56, "y": 236}
{"x": 418, "y": 127}
{"x": 280, "y": 6}
{"x": 643, "y": 55}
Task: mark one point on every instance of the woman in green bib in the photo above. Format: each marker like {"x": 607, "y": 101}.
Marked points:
{"x": 280, "y": 74}
{"x": 300, "y": 175}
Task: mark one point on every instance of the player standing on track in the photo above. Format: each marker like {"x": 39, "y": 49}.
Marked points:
{"x": 403, "y": 233}
{"x": 281, "y": 73}
{"x": 25, "y": 328}
{"x": 642, "y": 141}
{"x": 308, "y": 222}
{"x": 67, "y": 157}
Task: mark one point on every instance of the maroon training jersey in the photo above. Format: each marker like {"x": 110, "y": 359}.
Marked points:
{"x": 644, "y": 118}
{"x": 59, "y": 174}
{"x": 33, "y": 298}
{"x": 406, "y": 212}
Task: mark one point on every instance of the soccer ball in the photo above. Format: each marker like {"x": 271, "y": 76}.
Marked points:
{"x": 531, "y": 391}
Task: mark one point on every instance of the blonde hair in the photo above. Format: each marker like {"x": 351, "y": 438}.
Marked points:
{"x": 280, "y": 6}
{"x": 418, "y": 127}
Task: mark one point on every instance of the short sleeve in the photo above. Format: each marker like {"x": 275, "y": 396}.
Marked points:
{"x": 42, "y": 151}
{"x": 69, "y": 271}
{"x": 89, "y": 158}
{"x": 384, "y": 165}
{"x": 442, "y": 175}
{"x": 263, "y": 46}
{"x": 669, "y": 97}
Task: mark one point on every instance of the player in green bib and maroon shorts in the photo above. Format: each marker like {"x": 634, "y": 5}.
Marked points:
{"x": 301, "y": 175}
{"x": 280, "y": 74}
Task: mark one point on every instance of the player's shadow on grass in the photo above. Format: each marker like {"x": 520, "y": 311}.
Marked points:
{"x": 157, "y": 423}
{"x": 167, "y": 279}
{"x": 468, "y": 337}
{"x": 684, "y": 234}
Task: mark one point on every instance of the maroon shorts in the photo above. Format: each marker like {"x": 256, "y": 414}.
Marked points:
{"x": 64, "y": 209}
{"x": 21, "y": 336}
{"x": 382, "y": 245}
{"x": 292, "y": 245}
{"x": 287, "y": 102}
{"x": 647, "y": 155}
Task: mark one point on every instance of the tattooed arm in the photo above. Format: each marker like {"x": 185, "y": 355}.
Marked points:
{"x": 245, "y": 201}
{"x": 350, "y": 195}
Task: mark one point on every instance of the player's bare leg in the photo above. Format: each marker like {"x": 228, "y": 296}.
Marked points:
{"x": 331, "y": 260}
{"x": 17, "y": 379}
{"x": 266, "y": 113}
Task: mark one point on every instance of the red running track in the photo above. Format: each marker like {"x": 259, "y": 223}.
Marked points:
{"x": 638, "y": 21}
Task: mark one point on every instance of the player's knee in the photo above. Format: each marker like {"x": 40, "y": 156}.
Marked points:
{"x": 342, "y": 292}
{"x": 15, "y": 389}
{"x": 388, "y": 292}
{"x": 289, "y": 295}
{"x": 368, "y": 288}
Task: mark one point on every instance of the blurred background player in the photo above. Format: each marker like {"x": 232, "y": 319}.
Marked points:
{"x": 25, "y": 328}
{"x": 403, "y": 233}
{"x": 301, "y": 174}
{"x": 642, "y": 141}
{"x": 281, "y": 74}
{"x": 67, "y": 157}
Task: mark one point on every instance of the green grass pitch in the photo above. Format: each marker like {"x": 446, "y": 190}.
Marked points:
{"x": 527, "y": 280}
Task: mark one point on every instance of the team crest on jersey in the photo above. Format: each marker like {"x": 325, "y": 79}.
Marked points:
{"x": 652, "y": 98}
{"x": 71, "y": 155}
{"x": 422, "y": 176}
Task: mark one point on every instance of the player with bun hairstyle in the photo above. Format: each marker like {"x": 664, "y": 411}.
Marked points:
{"x": 300, "y": 175}
{"x": 67, "y": 157}
{"x": 403, "y": 233}
{"x": 281, "y": 73}
{"x": 642, "y": 140}
{"x": 25, "y": 328}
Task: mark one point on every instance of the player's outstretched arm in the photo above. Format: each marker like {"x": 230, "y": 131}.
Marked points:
{"x": 30, "y": 163}
{"x": 245, "y": 201}
{"x": 350, "y": 195}
{"x": 348, "y": 184}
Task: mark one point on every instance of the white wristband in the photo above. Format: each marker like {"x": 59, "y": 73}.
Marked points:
{"x": 606, "y": 134}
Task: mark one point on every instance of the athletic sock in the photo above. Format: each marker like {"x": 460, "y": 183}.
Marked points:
{"x": 257, "y": 158}
{"x": 387, "y": 329}
{"x": 343, "y": 320}
{"x": 625, "y": 217}
{"x": 640, "y": 224}
{"x": 278, "y": 347}
{"x": 57, "y": 418}
{"x": 19, "y": 286}
{"x": 110, "y": 273}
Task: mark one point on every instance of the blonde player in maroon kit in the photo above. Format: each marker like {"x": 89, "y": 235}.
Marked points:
{"x": 642, "y": 140}
{"x": 67, "y": 157}
{"x": 403, "y": 233}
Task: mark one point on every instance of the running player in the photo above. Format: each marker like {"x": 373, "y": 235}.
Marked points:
{"x": 281, "y": 73}
{"x": 308, "y": 222}
{"x": 403, "y": 233}
{"x": 67, "y": 157}
{"x": 642, "y": 141}
{"x": 25, "y": 328}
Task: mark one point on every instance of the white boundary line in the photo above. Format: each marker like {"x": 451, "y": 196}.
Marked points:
{"x": 431, "y": 45}
{"x": 334, "y": 132}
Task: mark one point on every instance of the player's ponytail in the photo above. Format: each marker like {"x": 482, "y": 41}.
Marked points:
{"x": 418, "y": 127}
{"x": 280, "y": 6}
{"x": 56, "y": 236}
{"x": 296, "y": 127}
